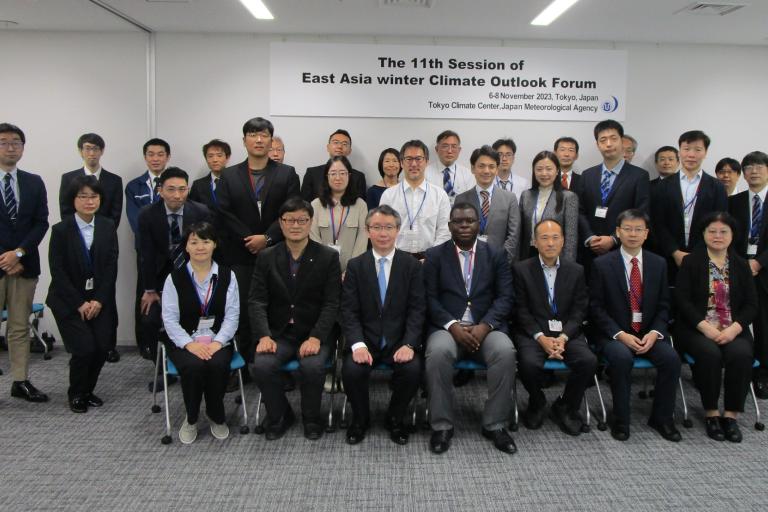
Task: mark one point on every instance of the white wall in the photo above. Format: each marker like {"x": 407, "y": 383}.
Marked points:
{"x": 208, "y": 85}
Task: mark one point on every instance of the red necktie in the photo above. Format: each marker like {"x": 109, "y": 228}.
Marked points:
{"x": 564, "y": 181}
{"x": 635, "y": 292}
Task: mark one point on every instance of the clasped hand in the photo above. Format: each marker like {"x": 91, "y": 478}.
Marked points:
{"x": 204, "y": 351}
{"x": 469, "y": 336}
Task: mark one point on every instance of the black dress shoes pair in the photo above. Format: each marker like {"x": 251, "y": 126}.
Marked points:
{"x": 666, "y": 429}
{"x": 398, "y": 433}
{"x": 277, "y": 429}
{"x": 440, "y": 441}
{"x": 313, "y": 431}
{"x": 568, "y": 421}
{"x": 113, "y": 356}
{"x": 722, "y": 428}
{"x": 24, "y": 389}
{"x": 501, "y": 440}
{"x": 80, "y": 404}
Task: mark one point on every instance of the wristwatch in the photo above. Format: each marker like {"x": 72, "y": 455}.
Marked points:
{"x": 268, "y": 239}
{"x": 19, "y": 252}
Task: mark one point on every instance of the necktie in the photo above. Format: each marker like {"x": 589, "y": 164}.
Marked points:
{"x": 635, "y": 292}
{"x": 564, "y": 181}
{"x": 605, "y": 186}
{"x": 467, "y": 269}
{"x": 177, "y": 251}
{"x": 382, "y": 289}
{"x": 10, "y": 198}
{"x": 447, "y": 185}
{"x": 757, "y": 219}
{"x": 214, "y": 188}
{"x": 486, "y": 206}
{"x": 504, "y": 184}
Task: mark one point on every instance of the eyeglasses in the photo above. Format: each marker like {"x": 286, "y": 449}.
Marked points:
{"x": 446, "y": 147}
{"x": 378, "y": 228}
{"x": 173, "y": 190}
{"x": 87, "y": 197}
{"x": 755, "y": 167}
{"x": 633, "y": 231}
{"x": 411, "y": 159}
{"x": 506, "y": 155}
{"x": 338, "y": 174}
{"x": 292, "y": 222}
{"x": 91, "y": 149}
{"x": 15, "y": 144}
{"x": 342, "y": 143}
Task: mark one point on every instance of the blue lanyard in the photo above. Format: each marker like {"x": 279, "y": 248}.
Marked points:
{"x": 550, "y": 294}
{"x": 689, "y": 205}
{"x": 205, "y": 304}
{"x": 412, "y": 220}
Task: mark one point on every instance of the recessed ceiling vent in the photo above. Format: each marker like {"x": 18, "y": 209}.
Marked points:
{"x": 710, "y": 9}
{"x": 407, "y": 3}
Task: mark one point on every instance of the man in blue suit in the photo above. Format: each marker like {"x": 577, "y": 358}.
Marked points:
{"x": 23, "y": 223}
{"x": 629, "y": 305}
{"x": 469, "y": 298}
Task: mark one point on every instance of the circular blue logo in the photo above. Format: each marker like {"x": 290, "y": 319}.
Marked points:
{"x": 610, "y": 105}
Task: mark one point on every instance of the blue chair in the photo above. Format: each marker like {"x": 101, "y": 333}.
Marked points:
{"x": 236, "y": 364}
{"x": 34, "y": 321}
{"x": 381, "y": 367}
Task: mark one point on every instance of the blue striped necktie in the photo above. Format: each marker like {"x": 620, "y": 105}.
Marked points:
{"x": 757, "y": 219}
{"x": 447, "y": 185}
{"x": 10, "y": 198}
{"x": 605, "y": 186}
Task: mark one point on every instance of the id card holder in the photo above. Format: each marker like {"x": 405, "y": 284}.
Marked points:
{"x": 751, "y": 249}
{"x": 601, "y": 212}
{"x": 89, "y": 284}
{"x": 411, "y": 240}
{"x": 637, "y": 318}
{"x": 556, "y": 326}
{"x": 205, "y": 323}
{"x": 483, "y": 238}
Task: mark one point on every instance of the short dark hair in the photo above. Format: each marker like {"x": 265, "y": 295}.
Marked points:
{"x": 156, "y": 142}
{"x": 340, "y": 131}
{"x": 754, "y": 158}
{"x": 464, "y": 205}
{"x": 350, "y": 196}
{"x": 633, "y": 214}
{"x": 730, "y": 162}
{"x": 485, "y": 150}
{"x": 608, "y": 124}
{"x": 217, "y": 143}
{"x": 505, "y": 142}
{"x": 445, "y": 134}
{"x": 570, "y": 140}
{"x": 542, "y": 221}
{"x": 693, "y": 136}
{"x": 12, "y": 128}
{"x": 724, "y": 217}
{"x": 664, "y": 149}
{"x": 90, "y": 138}
{"x": 79, "y": 183}
{"x": 384, "y": 209}
{"x": 389, "y": 151}
{"x": 258, "y": 124}
{"x": 202, "y": 230}
{"x": 415, "y": 143}
{"x": 173, "y": 172}
{"x": 296, "y": 204}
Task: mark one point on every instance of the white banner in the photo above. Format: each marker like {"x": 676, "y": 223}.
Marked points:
{"x": 352, "y": 80}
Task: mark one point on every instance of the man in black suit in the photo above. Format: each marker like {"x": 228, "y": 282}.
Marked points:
{"x": 567, "y": 151}
{"x": 23, "y": 223}
{"x": 216, "y": 154}
{"x": 605, "y": 191}
{"x": 293, "y": 305}
{"x": 680, "y": 202}
{"x": 629, "y": 304}
{"x": 552, "y": 303}
{"x": 161, "y": 225}
{"x": 469, "y": 298}
{"x": 339, "y": 144}
{"x": 383, "y": 327}
{"x": 249, "y": 196}
{"x": 751, "y": 242}
{"x": 91, "y": 147}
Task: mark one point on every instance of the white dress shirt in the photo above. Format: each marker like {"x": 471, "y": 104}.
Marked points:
{"x": 752, "y": 195}
{"x": 628, "y": 272}
{"x": 689, "y": 188}
{"x": 423, "y": 226}
{"x": 462, "y": 178}
{"x": 387, "y": 271}
{"x": 550, "y": 276}
{"x": 467, "y": 317}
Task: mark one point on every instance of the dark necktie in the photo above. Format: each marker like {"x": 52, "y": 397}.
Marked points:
{"x": 757, "y": 220}
{"x": 10, "y": 198}
{"x": 155, "y": 191}
{"x": 447, "y": 185}
{"x": 177, "y": 251}
{"x": 504, "y": 184}
{"x": 635, "y": 292}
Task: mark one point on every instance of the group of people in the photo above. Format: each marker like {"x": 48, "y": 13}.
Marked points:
{"x": 412, "y": 275}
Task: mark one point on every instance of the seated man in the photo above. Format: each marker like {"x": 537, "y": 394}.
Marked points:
{"x": 293, "y": 304}
{"x": 469, "y": 297}
{"x": 383, "y": 327}
{"x": 552, "y": 302}
{"x": 629, "y": 304}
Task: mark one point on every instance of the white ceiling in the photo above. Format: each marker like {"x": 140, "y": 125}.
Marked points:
{"x": 651, "y": 21}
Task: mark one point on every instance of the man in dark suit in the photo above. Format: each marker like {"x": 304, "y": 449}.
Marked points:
{"x": 629, "y": 304}
{"x": 23, "y": 223}
{"x": 160, "y": 235}
{"x": 552, "y": 303}
{"x": 567, "y": 151}
{"x": 384, "y": 327}
{"x": 91, "y": 147}
{"x": 605, "y": 191}
{"x": 249, "y": 196}
{"x": 293, "y": 305}
{"x": 216, "y": 154}
{"x": 339, "y": 144}
{"x": 680, "y": 202}
{"x": 469, "y": 298}
{"x": 751, "y": 242}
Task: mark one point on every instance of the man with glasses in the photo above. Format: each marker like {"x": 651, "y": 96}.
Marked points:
{"x": 293, "y": 305}
{"x": 728, "y": 171}
{"x": 423, "y": 207}
{"x": 277, "y": 151}
{"x": 446, "y": 172}
{"x": 21, "y": 231}
{"x": 505, "y": 179}
{"x": 339, "y": 144}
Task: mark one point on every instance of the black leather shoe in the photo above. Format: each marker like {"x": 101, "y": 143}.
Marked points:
{"x": 533, "y": 417}
{"x": 113, "y": 356}
{"x": 398, "y": 434}
{"x": 501, "y": 440}
{"x": 462, "y": 377}
{"x": 440, "y": 441}
{"x": 731, "y": 429}
{"x": 277, "y": 430}
{"x": 761, "y": 389}
{"x": 313, "y": 431}
{"x": 24, "y": 389}
{"x": 355, "y": 434}
{"x": 714, "y": 430}
{"x": 666, "y": 429}
{"x": 147, "y": 353}
{"x": 93, "y": 401}
{"x": 78, "y": 405}
{"x": 620, "y": 432}
{"x": 567, "y": 422}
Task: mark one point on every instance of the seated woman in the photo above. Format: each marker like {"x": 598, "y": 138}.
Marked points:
{"x": 339, "y": 220}
{"x": 390, "y": 169}
{"x": 546, "y": 199}
{"x": 82, "y": 256}
{"x": 716, "y": 302}
{"x": 201, "y": 309}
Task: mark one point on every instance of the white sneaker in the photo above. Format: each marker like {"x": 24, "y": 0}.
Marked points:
{"x": 218, "y": 430}
{"x": 187, "y": 432}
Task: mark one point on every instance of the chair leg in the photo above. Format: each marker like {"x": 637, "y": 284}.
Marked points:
{"x": 513, "y": 425}
{"x": 344, "y": 423}
{"x": 258, "y": 427}
{"x": 244, "y": 428}
{"x": 687, "y": 423}
{"x": 167, "y": 437}
{"x": 33, "y": 327}
{"x": 330, "y": 427}
{"x": 758, "y": 424}
{"x": 586, "y": 427}
{"x": 155, "y": 407}
{"x": 601, "y": 424}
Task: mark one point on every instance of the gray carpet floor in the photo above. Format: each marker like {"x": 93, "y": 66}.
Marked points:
{"x": 112, "y": 459}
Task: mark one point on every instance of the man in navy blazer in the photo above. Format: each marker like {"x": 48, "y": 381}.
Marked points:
{"x": 339, "y": 144}
{"x": 216, "y": 154}
{"x": 630, "y": 309}
{"x": 23, "y": 223}
{"x": 469, "y": 298}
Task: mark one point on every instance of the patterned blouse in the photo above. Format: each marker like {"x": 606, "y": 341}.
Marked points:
{"x": 719, "y": 303}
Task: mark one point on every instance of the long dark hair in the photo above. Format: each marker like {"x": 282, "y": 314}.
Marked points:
{"x": 557, "y": 187}
{"x": 326, "y": 199}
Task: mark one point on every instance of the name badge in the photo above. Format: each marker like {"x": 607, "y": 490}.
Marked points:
{"x": 336, "y": 248}
{"x": 206, "y": 322}
{"x": 410, "y": 240}
{"x": 637, "y": 318}
{"x": 556, "y": 326}
{"x": 601, "y": 212}
{"x": 483, "y": 238}
{"x": 752, "y": 249}
{"x": 89, "y": 283}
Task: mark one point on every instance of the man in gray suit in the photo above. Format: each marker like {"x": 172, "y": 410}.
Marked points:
{"x": 499, "y": 212}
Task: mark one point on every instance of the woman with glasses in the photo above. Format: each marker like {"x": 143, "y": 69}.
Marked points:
{"x": 390, "y": 169}
{"x": 82, "y": 257}
{"x": 546, "y": 199}
{"x": 716, "y": 301}
{"x": 339, "y": 220}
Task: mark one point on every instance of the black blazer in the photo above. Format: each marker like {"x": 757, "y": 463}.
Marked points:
{"x": 692, "y": 290}
{"x": 70, "y": 269}
{"x": 491, "y": 294}
{"x": 154, "y": 239}
{"x": 575, "y": 185}
{"x": 533, "y": 311}
{"x": 609, "y": 305}
{"x": 112, "y": 202}
{"x": 312, "y": 183}
{"x": 400, "y": 320}
{"x": 201, "y": 192}
{"x": 238, "y": 210}
{"x": 31, "y": 222}
{"x": 314, "y": 300}
{"x": 738, "y": 206}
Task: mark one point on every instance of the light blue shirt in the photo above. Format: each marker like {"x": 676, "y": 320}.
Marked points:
{"x": 14, "y": 185}
{"x": 614, "y": 172}
{"x": 550, "y": 275}
{"x": 689, "y": 187}
{"x": 86, "y": 229}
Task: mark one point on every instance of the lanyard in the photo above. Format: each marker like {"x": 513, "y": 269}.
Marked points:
{"x": 343, "y": 219}
{"x": 412, "y": 220}
{"x": 256, "y": 191}
{"x": 690, "y": 204}
{"x": 468, "y": 277}
{"x": 550, "y": 293}
{"x": 536, "y": 207}
{"x": 498, "y": 183}
{"x": 205, "y": 304}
